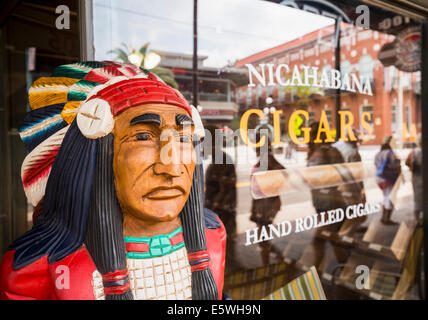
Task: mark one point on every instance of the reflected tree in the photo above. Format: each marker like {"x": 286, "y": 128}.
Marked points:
{"x": 145, "y": 58}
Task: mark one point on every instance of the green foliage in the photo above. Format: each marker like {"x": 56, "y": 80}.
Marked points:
{"x": 304, "y": 92}
{"x": 144, "y": 49}
{"x": 166, "y": 75}
{"x": 122, "y": 55}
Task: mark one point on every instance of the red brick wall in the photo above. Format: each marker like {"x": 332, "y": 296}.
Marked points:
{"x": 306, "y": 51}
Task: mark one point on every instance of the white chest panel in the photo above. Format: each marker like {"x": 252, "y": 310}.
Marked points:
{"x": 162, "y": 278}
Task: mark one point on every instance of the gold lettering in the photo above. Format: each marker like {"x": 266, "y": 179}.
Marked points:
{"x": 366, "y": 126}
{"x": 344, "y": 125}
{"x": 291, "y": 131}
{"x": 244, "y": 128}
{"x": 324, "y": 127}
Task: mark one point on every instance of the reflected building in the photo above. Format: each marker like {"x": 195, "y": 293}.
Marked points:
{"x": 217, "y": 87}
{"x": 359, "y": 55}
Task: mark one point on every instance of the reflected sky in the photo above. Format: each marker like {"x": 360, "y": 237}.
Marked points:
{"x": 229, "y": 30}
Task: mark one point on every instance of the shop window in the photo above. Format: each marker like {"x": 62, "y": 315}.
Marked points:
{"x": 329, "y": 117}
{"x": 368, "y": 110}
{"x": 393, "y": 118}
{"x": 365, "y": 67}
{"x": 345, "y": 68}
{"x": 341, "y": 213}
{"x": 408, "y": 118}
{"x": 249, "y": 96}
{"x": 281, "y": 94}
{"x": 311, "y": 117}
{"x": 241, "y": 52}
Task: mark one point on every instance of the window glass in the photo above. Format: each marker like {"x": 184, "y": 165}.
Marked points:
{"x": 31, "y": 46}
{"x": 365, "y": 66}
{"x": 334, "y": 194}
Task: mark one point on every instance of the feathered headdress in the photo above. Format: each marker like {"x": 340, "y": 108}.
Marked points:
{"x": 91, "y": 93}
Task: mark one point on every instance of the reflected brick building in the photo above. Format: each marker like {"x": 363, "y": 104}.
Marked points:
{"x": 359, "y": 49}
{"x": 216, "y": 87}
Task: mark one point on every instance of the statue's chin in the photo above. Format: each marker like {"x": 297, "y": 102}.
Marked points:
{"x": 161, "y": 210}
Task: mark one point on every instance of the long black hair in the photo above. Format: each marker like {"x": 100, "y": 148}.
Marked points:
{"x": 60, "y": 229}
{"x": 192, "y": 218}
{"x": 104, "y": 228}
{"x": 80, "y": 206}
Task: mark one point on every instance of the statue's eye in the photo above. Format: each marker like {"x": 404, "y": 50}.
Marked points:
{"x": 185, "y": 139}
{"x": 143, "y": 136}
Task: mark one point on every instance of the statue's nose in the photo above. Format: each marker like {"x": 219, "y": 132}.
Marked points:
{"x": 169, "y": 159}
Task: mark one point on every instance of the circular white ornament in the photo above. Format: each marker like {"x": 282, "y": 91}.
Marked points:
{"x": 95, "y": 119}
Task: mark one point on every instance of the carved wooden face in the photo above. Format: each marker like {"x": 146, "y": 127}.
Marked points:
{"x": 153, "y": 161}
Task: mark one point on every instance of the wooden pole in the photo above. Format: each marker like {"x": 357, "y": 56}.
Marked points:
{"x": 337, "y": 67}
{"x": 195, "y": 54}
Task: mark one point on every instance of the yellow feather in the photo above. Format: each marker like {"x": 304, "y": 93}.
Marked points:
{"x": 43, "y": 99}
{"x": 70, "y": 111}
{"x": 47, "y": 91}
{"x": 53, "y": 82}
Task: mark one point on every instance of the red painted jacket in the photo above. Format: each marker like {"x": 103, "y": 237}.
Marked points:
{"x": 37, "y": 281}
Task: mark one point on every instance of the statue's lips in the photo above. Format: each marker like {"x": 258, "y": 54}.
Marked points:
{"x": 161, "y": 193}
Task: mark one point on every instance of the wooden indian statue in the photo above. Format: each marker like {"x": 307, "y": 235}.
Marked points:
{"x": 114, "y": 172}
